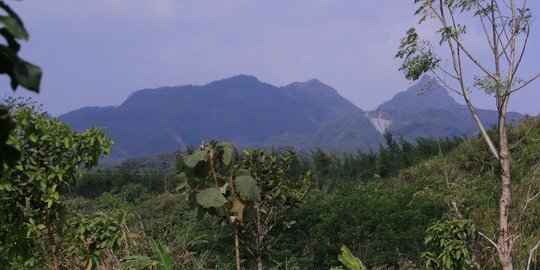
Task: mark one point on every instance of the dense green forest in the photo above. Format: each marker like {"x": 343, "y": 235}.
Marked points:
{"x": 401, "y": 206}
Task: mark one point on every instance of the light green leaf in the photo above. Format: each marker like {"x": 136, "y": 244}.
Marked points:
{"x": 211, "y": 197}
{"x": 351, "y": 262}
{"x": 247, "y": 185}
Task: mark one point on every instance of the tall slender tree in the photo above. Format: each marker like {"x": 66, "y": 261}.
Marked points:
{"x": 506, "y": 25}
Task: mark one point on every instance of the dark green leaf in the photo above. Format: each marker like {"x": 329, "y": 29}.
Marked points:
{"x": 247, "y": 186}
{"x": 211, "y": 197}
{"x": 194, "y": 159}
{"x": 228, "y": 152}
{"x": 14, "y": 26}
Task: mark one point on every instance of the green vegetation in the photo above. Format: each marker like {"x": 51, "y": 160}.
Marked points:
{"x": 431, "y": 204}
{"x": 19, "y": 71}
{"x": 506, "y": 27}
{"x": 422, "y": 205}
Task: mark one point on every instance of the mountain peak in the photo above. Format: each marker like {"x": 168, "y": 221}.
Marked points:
{"x": 309, "y": 83}
{"x": 237, "y": 80}
{"x": 425, "y": 95}
{"x": 314, "y": 87}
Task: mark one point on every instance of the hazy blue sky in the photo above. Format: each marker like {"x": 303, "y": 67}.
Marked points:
{"x": 96, "y": 52}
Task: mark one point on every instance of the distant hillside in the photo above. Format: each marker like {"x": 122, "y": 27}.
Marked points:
{"x": 427, "y": 110}
{"x": 348, "y": 134}
{"x": 240, "y": 109}
{"x": 424, "y": 110}
{"x": 250, "y": 113}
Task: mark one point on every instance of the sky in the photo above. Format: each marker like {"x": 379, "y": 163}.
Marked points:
{"x": 97, "y": 52}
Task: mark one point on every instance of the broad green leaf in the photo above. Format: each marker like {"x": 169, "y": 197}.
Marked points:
{"x": 182, "y": 178}
{"x": 19, "y": 71}
{"x": 28, "y": 75}
{"x": 247, "y": 185}
{"x": 211, "y": 197}
{"x": 351, "y": 262}
{"x": 194, "y": 159}
{"x": 14, "y": 27}
{"x": 228, "y": 152}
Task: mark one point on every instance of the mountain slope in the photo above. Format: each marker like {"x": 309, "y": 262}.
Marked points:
{"x": 348, "y": 134}
{"x": 250, "y": 113}
{"x": 427, "y": 110}
{"x": 240, "y": 109}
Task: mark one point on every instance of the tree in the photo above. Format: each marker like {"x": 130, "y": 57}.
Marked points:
{"x": 280, "y": 193}
{"x": 217, "y": 186}
{"x": 32, "y": 213}
{"x": 507, "y": 28}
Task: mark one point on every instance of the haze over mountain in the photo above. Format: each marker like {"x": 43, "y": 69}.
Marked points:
{"x": 250, "y": 113}
{"x": 240, "y": 109}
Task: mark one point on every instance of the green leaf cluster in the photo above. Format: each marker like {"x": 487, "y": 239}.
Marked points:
{"x": 20, "y": 72}
{"x": 447, "y": 245}
{"x": 32, "y": 209}
{"x": 215, "y": 185}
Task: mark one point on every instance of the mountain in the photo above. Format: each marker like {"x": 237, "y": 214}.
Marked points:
{"x": 348, "y": 134}
{"x": 427, "y": 110}
{"x": 424, "y": 110}
{"x": 250, "y": 113}
{"x": 240, "y": 109}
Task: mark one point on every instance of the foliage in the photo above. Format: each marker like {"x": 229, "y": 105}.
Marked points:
{"x": 499, "y": 78}
{"x": 19, "y": 71}
{"x": 217, "y": 186}
{"x": 32, "y": 210}
{"x": 92, "y": 235}
{"x": 349, "y": 260}
{"x": 160, "y": 260}
{"x": 382, "y": 221}
{"x": 448, "y": 245}
{"x": 331, "y": 169}
{"x": 281, "y": 191}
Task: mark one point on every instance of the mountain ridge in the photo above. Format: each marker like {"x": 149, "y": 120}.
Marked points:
{"x": 250, "y": 113}
{"x": 239, "y": 109}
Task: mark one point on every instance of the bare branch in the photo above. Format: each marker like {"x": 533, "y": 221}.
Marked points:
{"x": 456, "y": 59}
{"x": 446, "y": 72}
{"x": 481, "y": 17}
{"x": 440, "y": 16}
{"x": 530, "y": 198}
{"x": 446, "y": 84}
{"x": 516, "y": 144}
{"x": 489, "y": 240}
{"x": 525, "y": 83}
{"x": 531, "y": 252}
{"x": 523, "y": 49}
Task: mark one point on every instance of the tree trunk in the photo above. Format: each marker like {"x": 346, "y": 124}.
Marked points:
{"x": 236, "y": 244}
{"x": 505, "y": 240}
